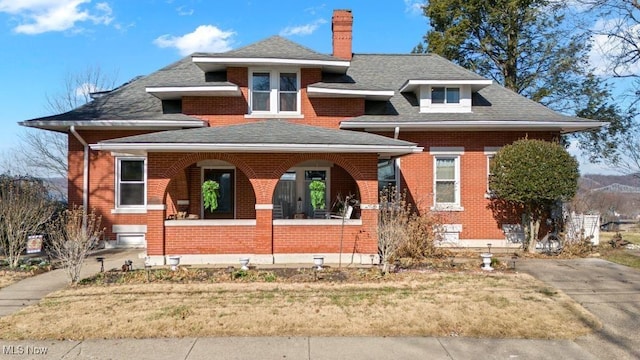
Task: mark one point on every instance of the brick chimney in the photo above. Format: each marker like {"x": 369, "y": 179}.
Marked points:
{"x": 341, "y": 26}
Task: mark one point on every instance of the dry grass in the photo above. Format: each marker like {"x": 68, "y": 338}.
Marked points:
{"x": 474, "y": 304}
{"x": 631, "y": 236}
{"x": 8, "y": 277}
{"x": 622, "y": 257}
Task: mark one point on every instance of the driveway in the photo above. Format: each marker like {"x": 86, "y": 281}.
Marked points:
{"x": 609, "y": 291}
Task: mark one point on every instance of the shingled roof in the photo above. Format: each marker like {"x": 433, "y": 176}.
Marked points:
{"x": 262, "y": 136}
{"x": 366, "y": 72}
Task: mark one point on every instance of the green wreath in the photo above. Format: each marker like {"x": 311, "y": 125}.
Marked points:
{"x": 210, "y": 194}
{"x": 317, "y": 189}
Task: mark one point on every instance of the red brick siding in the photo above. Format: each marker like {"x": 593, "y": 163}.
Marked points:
{"x": 210, "y": 240}
{"x": 417, "y": 176}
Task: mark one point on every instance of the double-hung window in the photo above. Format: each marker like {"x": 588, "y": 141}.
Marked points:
{"x": 445, "y": 95}
{"x": 130, "y": 182}
{"x": 275, "y": 92}
{"x": 490, "y": 153}
{"x": 446, "y": 178}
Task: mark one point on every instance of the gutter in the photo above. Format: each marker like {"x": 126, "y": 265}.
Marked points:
{"x": 85, "y": 172}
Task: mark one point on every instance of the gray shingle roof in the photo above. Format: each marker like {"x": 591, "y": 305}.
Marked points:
{"x": 273, "y": 47}
{"x": 366, "y": 72}
{"x": 263, "y": 132}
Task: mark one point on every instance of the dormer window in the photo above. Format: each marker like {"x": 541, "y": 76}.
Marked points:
{"x": 445, "y": 95}
{"x": 274, "y": 92}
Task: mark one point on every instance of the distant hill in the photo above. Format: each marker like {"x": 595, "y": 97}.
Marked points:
{"x": 58, "y": 187}
{"x": 594, "y": 181}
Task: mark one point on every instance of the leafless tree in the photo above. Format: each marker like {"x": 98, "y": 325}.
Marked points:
{"x": 72, "y": 236}
{"x": 24, "y": 209}
{"x": 44, "y": 153}
{"x": 393, "y": 220}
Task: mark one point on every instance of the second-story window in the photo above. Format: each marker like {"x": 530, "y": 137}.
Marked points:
{"x": 445, "y": 95}
{"x": 274, "y": 92}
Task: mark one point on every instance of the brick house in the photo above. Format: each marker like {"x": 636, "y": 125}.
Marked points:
{"x": 265, "y": 121}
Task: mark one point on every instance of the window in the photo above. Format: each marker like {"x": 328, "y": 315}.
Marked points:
{"x": 386, "y": 173}
{"x": 131, "y": 183}
{"x": 442, "y": 95}
{"x": 274, "y": 92}
{"x": 490, "y": 153}
{"x": 446, "y": 178}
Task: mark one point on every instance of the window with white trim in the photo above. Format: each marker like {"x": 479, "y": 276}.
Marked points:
{"x": 131, "y": 182}
{"x": 274, "y": 92}
{"x": 490, "y": 153}
{"x": 445, "y": 95}
{"x": 446, "y": 178}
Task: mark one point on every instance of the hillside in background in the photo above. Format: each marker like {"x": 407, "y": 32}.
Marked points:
{"x": 612, "y": 196}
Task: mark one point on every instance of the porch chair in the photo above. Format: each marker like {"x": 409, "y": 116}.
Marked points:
{"x": 320, "y": 214}
{"x": 277, "y": 211}
{"x": 347, "y": 214}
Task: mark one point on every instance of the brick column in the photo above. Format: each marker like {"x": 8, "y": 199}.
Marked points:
{"x": 155, "y": 230}
{"x": 263, "y": 241}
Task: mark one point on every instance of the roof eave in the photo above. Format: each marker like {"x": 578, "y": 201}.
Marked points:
{"x": 412, "y": 84}
{"x": 177, "y": 92}
{"x": 208, "y": 64}
{"x": 64, "y": 125}
{"x": 379, "y": 95}
{"x": 564, "y": 127}
{"x": 385, "y": 150}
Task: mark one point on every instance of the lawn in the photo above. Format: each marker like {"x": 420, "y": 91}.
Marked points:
{"x": 191, "y": 303}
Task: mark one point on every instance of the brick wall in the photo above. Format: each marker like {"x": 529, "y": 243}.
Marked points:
{"x": 417, "y": 176}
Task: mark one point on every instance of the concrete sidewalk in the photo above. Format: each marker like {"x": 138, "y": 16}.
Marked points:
{"x": 31, "y": 290}
{"x": 316, "y": 348}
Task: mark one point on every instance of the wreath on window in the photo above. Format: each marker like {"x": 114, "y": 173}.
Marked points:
{"x": 210, "y": 194}
{"x": 317, "y": 189}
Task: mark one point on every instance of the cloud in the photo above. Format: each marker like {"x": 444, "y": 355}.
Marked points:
{"x": 40, "y": 16}
{"x": 606, "y": 48}
{"x": 302, "y": 29}
{"x": 206, "y": 38}
{"x": 413, "y": 7}
{"x": 183, "y": 11}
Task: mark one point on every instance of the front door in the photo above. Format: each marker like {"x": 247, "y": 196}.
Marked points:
{"x": 226, "y": 193}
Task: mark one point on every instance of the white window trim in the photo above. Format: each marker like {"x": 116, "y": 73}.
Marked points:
{"x": 129, "y": 209}
{"x": 462, "y": 106}
{"x": 489, "y": 152}
{"x": 274, "y": 82}
{"x": 448, "y": 153}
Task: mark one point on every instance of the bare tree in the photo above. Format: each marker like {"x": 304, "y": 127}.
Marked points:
{"x": 393, "y": 223}
{"x": 44, "y": 153}
{"x": 72, "y": 236}
{"x": 78, "y": 88}
{"x": 24, "y": 209}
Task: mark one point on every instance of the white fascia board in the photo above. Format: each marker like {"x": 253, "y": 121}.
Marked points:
{"x": 563, "y": 126}
{"x": 203, "y": 60}
{"x": 255, "y": 148}
{"x": 372, "y": 94}
{"x": 147, "y": 124}
{"x": 476, "y": 85}
{"x": 176, "y": 92}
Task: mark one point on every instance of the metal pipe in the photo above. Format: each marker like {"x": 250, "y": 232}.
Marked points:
{"x": 85, "y": 172}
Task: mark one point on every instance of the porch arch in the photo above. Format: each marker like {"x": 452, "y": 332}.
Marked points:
{"x": 158, "y": 190}
{"x": 352, "y": 170}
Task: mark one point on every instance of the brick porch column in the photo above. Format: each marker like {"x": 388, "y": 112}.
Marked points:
{"x": 263, "y": 241}
{"x": 155, "y": 230}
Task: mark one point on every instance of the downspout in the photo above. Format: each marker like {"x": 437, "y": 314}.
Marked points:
{"x": 85, "y": 172}
{"x": 396, "y": 132}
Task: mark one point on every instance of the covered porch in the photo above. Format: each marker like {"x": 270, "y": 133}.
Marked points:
{"x": 265, "y": 208}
